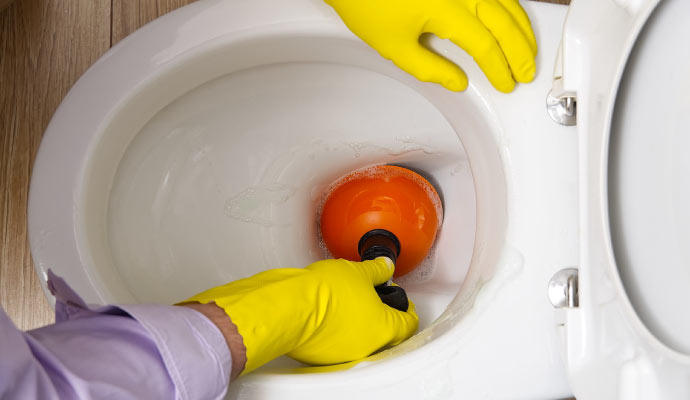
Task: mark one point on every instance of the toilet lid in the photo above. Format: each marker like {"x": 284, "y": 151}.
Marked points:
{"x": 628, "y": 333}
{"x": 649, "y": 176}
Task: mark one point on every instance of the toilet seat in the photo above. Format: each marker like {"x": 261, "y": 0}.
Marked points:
{"x": 615, "y": 345}
{"x": 498, "y": 337}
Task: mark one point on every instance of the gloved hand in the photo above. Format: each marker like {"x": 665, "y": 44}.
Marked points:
{"x": 497, "y": 33}
{"x": 326, "y": 313}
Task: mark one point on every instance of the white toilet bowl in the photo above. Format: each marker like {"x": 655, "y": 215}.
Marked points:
{"x": 196, "y": 152}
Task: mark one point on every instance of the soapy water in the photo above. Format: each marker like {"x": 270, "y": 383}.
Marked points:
{"x": 421, "y": 273}
{"x": 254, "y": 204}
{"x": 213, "y": 177}
{"x": 406, "y": 146}
{"x": 370, "y": 172}
{"x": 257, "y": 204}
{"x": 424, "y": 270}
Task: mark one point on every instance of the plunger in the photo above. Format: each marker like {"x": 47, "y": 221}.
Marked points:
{"x": 383, "y": 210}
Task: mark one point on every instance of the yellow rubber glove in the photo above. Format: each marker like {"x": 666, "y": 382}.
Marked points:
{"x": 497, "y": 33}
{"x": 326, "y": 313}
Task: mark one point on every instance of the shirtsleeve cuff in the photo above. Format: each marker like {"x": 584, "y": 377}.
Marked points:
{"x": 192, "y": 347}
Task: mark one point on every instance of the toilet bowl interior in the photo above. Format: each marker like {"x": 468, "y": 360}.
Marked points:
{"x": 225, "y": 182}
{"x": 213, "y": 170}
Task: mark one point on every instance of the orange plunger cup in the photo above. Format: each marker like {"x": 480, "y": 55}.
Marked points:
{"x": 383, "y": 198}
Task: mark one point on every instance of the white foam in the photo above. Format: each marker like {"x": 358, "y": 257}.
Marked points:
{"x": 253, "y": 204}
{"x": 422, "y": 272}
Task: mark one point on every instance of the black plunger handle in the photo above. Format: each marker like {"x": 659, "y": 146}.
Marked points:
{"x": 382, "y": 243}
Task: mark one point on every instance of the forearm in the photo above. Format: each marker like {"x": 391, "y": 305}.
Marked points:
{"x": 125, "y": 351}
{"x": 96, "y": 356}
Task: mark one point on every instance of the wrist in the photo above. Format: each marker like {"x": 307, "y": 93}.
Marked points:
{"x": 228, "y": 329}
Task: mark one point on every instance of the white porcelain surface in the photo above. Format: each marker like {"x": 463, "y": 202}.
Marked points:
{"x": 225, "y": 181}
{"x": 193, "y": 152}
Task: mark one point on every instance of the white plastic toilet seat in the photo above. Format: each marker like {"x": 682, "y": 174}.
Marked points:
{"x": 610, "y": 351}
{"x": 498, "y": 337}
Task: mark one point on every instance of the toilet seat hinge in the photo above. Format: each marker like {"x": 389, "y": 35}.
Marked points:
{"x": 562, "y": 109}
{"x": 563, "y": 288}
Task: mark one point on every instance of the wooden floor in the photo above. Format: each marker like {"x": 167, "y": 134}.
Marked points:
{"x": 45, "y": 45}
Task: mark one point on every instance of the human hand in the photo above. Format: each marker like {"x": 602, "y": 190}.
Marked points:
{"x": 325, "y": 313}
{"x": 497, "y": 33}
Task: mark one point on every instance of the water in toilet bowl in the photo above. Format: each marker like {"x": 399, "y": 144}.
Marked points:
{"x": 223, "y": 182}
{"x": 203, "y": 163}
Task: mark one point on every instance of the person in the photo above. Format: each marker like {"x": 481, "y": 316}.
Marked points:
{"x": 325, "y": 313}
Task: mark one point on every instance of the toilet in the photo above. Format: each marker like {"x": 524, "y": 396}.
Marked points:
{"x": 198, "y": 149}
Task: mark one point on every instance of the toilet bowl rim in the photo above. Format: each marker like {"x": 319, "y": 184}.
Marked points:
{"x": 84, "y": 131}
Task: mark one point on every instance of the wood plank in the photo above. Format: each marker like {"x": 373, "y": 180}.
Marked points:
{"x": 130, "y": 15}
{"x": 4, "y": 4}
{"x": 45, "y": 45}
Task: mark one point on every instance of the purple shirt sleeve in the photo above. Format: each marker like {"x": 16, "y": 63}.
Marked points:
{"x": 123, "y": 351}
